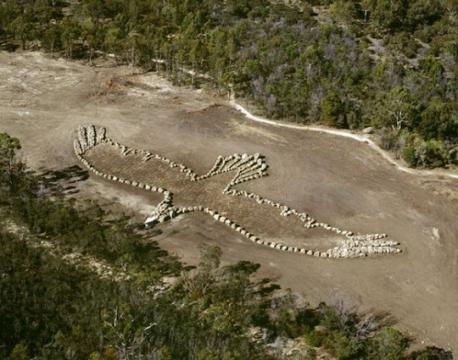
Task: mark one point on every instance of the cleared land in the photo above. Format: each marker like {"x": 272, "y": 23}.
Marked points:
{"x": 280, "y": 226}
{"x": 336, "y": 180}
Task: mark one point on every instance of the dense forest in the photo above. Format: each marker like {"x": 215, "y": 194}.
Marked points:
{"x": 145, "y": 304}
{"x": 390, "y": 65}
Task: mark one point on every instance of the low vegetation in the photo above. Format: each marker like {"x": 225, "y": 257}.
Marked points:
{"x": 352, "y": 64}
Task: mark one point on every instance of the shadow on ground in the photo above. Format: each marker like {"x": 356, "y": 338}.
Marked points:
{"x": 63, "y": 180}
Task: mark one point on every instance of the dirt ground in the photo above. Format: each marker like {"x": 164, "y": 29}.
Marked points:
{"x": 263, "y": 220}
{"x": 336, "y": 180}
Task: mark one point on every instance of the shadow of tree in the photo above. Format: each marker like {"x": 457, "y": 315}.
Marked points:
{"x": 63, "y": 180}
{"x": 432, "y": 353}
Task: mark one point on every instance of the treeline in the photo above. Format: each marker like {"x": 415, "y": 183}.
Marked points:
{"x": 286, "y": 59}
{"x": 53, "y": 309}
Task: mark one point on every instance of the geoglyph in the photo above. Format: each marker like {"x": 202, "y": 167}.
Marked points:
{"x": 246, "y": 168}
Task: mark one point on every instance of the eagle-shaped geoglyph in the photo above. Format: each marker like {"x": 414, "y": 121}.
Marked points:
{"x": 216, "y": 193}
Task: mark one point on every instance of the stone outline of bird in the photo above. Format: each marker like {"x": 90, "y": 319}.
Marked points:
{"x": 247, "y": 167}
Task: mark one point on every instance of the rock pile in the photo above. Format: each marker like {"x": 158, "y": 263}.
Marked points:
{"x": 247, "y": 167}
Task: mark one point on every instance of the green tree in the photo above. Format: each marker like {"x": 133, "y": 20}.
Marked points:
{"x": 387, "y": 14}
{"x": 90, "y": 31}
{"x": 396, "y": 109}
{"x": 22, "y": 27}
{"x": 439, "y": 121}
{"x": 333, "y": 110}
{"x": 409, "y": 155}
{"x": 431, "y": 153}
{"x": 20, "y": 352}
{"x": 8, "y": 165}
{"x": 70, "y": 35}
{"x": 422, "y": 12}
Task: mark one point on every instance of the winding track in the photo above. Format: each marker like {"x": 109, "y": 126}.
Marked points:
{"x": 343, "y": 133}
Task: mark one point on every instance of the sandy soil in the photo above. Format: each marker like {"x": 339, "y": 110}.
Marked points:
{"x": 336, "y": 180}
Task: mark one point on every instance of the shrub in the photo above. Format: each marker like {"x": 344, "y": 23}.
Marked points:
{"x": 333, "y": 110}
{"x": 438, "y": 121}
{"x": 388, "y": 344}
{"x": 342, "y": 346}
{"x": 389, "y": 139}
{"x": 431, "y": 154}
{"x": 408, "y": 154}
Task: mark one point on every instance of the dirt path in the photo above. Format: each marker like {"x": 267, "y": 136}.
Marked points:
{"x": 334, "y": 178}
{"x": 346, "y": 134}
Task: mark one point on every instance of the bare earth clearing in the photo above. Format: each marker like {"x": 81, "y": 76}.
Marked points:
{"x": 337, "y": 180}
